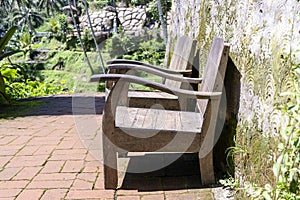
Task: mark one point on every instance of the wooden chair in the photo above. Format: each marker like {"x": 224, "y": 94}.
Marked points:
{"x": 180, "y": 65}
{"x": 129, "y": 129}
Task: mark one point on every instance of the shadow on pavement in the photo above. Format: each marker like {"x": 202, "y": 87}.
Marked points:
{"x": 54, "y": 105}
{"x": 183, "y": 173}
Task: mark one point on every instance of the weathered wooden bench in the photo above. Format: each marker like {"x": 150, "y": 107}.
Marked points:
{"x": 130, "y": 129}
{"x": 181, "y": 65}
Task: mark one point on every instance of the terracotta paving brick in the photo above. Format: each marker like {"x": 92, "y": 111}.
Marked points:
{"x": 132, "y": 192}
{"x": 54, "y": 194}
{"x": 9, "y": 151}
{"x": 7, "y": 147}
{"x": 53, "y": 166}
{"x": 4, "y": 160}
{"x": 81, "y": 184}
{"x": 153, "y": 197}
{"x": 99, "y": 184}
{"x": 91, "y": 177}
{"x": 40, "y": 141}
{"x": 13, "y": 184}
{"x": 43, "y": 157}
{"x": 28, "y": 150}
{"x": 41, "y": 130}
{"x": 51, "y": 184}
{"x": 73, "y": 166}
{"x": 29, "y": 194}
{"x": 69, "y": 151}
{"x": 10, "y": 193}
{"x": 6, "y": 198}
{"x": 27, "y": 161}
{"x": 128, "y": 198}
{"x": 55, "y": 176}
{"x": 182, "y": 191}
{"x": 68, "y": 157}
{"x": 66, "y": 144}
{"x": 90, "y": 169}
{"x": 205, "y": 195}
{"x": 7, "y": 139}
{"x": 8, "y": 173}
{"x": 188, "y": 196}
{"x": 90, "y": 194}
{"x": 44, "y": 150}
{"x": 89, "y": 157}
{"x": 27, "y": 173}
{"x": 20, "y": 140}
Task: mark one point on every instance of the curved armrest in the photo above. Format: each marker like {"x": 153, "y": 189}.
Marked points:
{"x": 135, "y": 62}
{"x": 158, "y": 86}
{"x": 156, "y": 72}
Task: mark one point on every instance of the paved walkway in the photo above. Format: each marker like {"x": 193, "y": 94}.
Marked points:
{"x": 44, "y": 155}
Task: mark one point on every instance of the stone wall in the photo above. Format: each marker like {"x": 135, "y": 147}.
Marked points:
{"x": 130, "y": 19}
{"x": 262, "y": 34}
{"x": 264, "y": 37}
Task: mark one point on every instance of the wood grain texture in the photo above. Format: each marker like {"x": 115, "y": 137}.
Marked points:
{"x": 159, "y": 130}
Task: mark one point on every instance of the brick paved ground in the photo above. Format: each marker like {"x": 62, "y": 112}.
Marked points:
{"x": 42, "y": 156}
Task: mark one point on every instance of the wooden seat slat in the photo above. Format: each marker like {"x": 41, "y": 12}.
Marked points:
{"x": 156, "y": 120}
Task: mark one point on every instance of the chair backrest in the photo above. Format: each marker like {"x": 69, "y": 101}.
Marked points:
{"x": 214, "y": 72}
{"x": 182, "y": 57}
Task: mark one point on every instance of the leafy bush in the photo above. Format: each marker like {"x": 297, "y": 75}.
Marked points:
{"x": 18, "y": 90}
{"x": 136, "y": 48}
{"x": 166, "y": 6}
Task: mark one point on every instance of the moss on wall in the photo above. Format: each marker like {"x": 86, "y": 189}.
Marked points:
{"x": 264, "y": 38}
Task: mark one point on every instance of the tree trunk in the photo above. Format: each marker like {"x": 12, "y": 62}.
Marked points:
{"x": 163, "y": 22}
{"x": 94, "y": 37}
{"x": 78, "y": 33}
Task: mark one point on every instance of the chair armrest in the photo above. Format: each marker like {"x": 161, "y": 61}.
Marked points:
{"x": 135, "y": 62}
{"x": 155, "y": 85}
{"x": 160, "y": 73}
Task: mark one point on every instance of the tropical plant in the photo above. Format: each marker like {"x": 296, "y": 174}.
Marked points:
{"x": 5, "y": 6}
{"x": 3, "y": 42}
{"x": 29, "y": 16}
{"x": 50, "y": 6}
{"x": 19, "y": 3}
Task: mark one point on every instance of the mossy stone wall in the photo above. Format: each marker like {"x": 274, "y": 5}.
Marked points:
{"x": 265, "y": 43}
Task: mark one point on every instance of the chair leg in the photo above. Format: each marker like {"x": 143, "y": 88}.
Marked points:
{"x": 110, "y": 167}
{"x": 207, "y": 169}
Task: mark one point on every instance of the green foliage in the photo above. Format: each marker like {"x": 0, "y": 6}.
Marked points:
{"x": 3, "y": 42}
{"x": 274, "y": 172}
{"x": 57, "y": 26}
{"x": 150, "y": 51}
{"x": 99, "y": 4}
{"x": 87, "y": 40}
{"x": 25, "y": 42}
{"x": 120, "y": 44}
{"x": 166, "y": 6}
{"x": 51, "y": 6}
{"x": 136, "y": 48}
{"x": 17, "y": 90}
{"x": 286, "y": 167}
{"x": 14, "y": 81}
{"x": 5, "y": 39}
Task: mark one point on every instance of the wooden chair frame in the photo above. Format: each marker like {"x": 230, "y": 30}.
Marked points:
{"x": 116, "y": 138}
